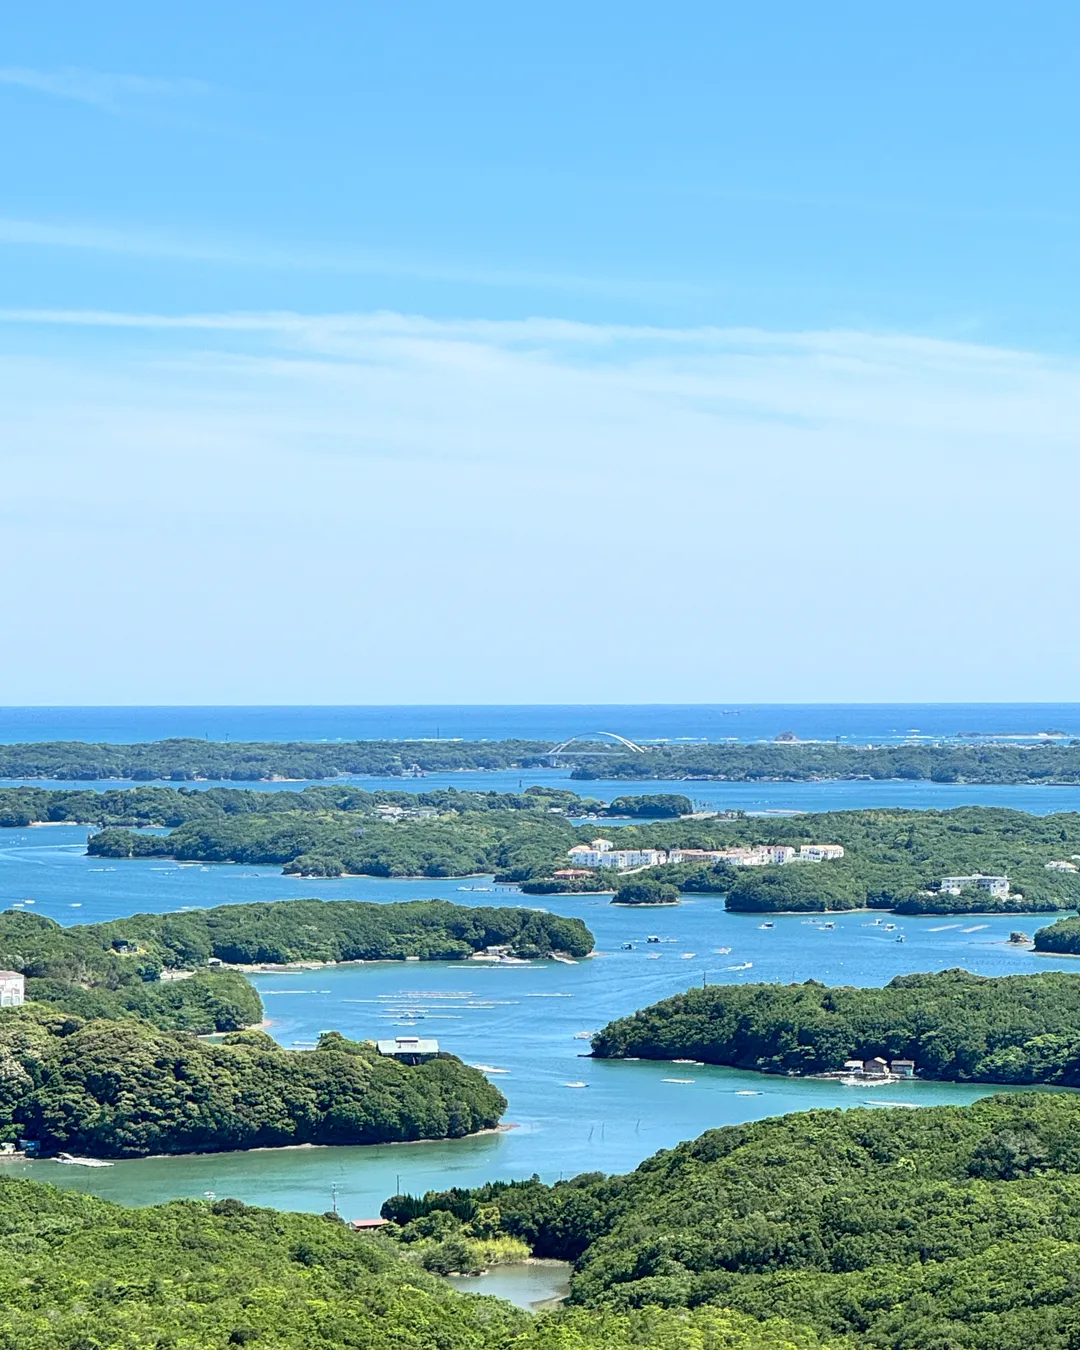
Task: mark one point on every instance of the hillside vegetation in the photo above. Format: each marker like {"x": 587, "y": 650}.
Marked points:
{"x": 77, "y": 1273}
{"x": 113, "y": 969}
{"x": 954, "y": 1025}
{"x": 948, "y": 1228}
{"x": 127, "y": 1089}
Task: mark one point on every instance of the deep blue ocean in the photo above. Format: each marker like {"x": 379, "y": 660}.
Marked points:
{"x": 882, "y": 723}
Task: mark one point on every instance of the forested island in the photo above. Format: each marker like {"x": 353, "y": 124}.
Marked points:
{"x": 114, "y": 969}
{"x": 78, "y": 1273}
{"x": 947, "y": 1228}
{"x": 126, "y": 1089}
{"x": 893, "y": 858}
{"x": 955, "y": 1026}
{"x": 102, "y": 1060}
{"x": 1061, "y": 938}
{"x": 188, "y": 760}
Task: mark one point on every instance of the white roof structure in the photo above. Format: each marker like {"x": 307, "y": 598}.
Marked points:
{"x": 408, "y": 1045}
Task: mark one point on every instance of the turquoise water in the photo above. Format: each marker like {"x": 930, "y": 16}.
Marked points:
{"x": 528, "y": 1285}
{"x": 524, "y": 1019}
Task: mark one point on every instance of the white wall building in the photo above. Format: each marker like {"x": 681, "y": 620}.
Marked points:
{"x": 12, "y": 989}
{"x": 820, "y": 852}
{"x": 978, "y": 882}
{"x": 584, "y": 855}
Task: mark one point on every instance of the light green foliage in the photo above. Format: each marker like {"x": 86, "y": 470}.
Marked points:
{"x": 78, "y": 1273}
{"x": 949, "y": 1228}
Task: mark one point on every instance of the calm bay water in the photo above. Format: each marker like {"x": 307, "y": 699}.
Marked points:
{"x": 523, "y": 1019}
{"x": 527, "y": 1020}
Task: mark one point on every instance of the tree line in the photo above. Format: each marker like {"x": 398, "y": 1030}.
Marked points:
{"x": 946, "y": 1228}
{"x": 113, "y": 969}
{"x": 188, "y": 759}
{"x": 954, "y": 1025}
{"x": 78, "y": 1273}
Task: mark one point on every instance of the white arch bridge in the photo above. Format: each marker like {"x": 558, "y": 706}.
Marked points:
{"x": 614, "y": 745}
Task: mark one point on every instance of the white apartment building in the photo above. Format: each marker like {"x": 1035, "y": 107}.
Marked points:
{"x": 978, "y": 882}
{"x": 820, "y": 852}
{"x": 591, "y": 855}
{"x": 12, "y": 989}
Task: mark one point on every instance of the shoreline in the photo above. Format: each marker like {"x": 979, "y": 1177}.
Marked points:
{"x": 502, "y": 1128}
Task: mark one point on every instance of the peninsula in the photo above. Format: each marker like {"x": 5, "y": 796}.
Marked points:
{"x": 952, "y": 1026}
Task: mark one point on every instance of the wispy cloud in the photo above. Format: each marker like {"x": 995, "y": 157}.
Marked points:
{"x": 787, "y": 515}
{"x": 100, "y": 88}
{"x": 256, "y": 253}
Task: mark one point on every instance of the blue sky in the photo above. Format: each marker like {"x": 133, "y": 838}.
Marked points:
{"x": 498, "y": 353}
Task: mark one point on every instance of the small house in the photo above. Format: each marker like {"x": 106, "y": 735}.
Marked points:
{"x": 12, "y": 989}
{"x": 903, "y": 1068}
{"x": 876, "y": 1067}
{"x": 853, "y": 1066}
{"x": 409, "y": 1049}
{"x": 365, "y": 1225}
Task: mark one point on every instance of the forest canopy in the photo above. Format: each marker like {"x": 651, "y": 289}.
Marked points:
{"x": 127, "y": 1089}
{"x": 943, "y": 1228}
{"x": 78, "y": 1273}
{"x": 954, "y": 1025}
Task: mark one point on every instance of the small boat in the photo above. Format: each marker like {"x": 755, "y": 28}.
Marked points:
{"x": 688, "y": 956}
{"x": 653, "y": 958}
{"x": 578, "y": 1036}
{"x": 766, "y": 925}
{"x": 628, "y": 946}
{"x": 746, "y": 965}
{"x": 652, "y": 938}
{"x": 748, "y": 1092}
{"x": 828, "y": 925}
{"x": 901, "y": 938}
{"x": 575, "y": 1085}
{"x": 688, "y": 1061}
{"x": 676, "y": 1080}
{"x": 722, "y": 951}
{"x": 853, "y": 1082}
{"x": 31, "y": 902}
{"x": 889, "y": 927}
{"x": 72, "y": 1161}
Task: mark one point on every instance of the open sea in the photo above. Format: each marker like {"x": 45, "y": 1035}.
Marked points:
{"x": 528, "y": 1021}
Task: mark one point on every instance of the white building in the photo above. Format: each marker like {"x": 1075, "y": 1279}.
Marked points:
{"x": 978, "y": 882}
{"x": 12, "y": 989}
{"x": 1060, "y": 865}
{"x": 589, "y": 855}
{"x": 820, "y": 852}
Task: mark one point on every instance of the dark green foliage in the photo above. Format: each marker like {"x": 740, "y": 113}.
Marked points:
{"x": 1012, "y": 1029}
{"x": 646, "y": 893}
{"x": 512, "y": 843}
{"x": 126, "y": 1089}
{"x": 795, "y": 887}
{"x": 659, "y": 805}
{"x": 949, "y": 1228}
{"x": 1052, "y": 763}
{"x": 1062, "y": 937}
{"x": 186, "y": 760}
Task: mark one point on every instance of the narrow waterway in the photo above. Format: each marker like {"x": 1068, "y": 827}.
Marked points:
{"x": 527, "y": 1020}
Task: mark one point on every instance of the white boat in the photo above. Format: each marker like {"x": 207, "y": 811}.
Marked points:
{"x": 575, "y": 1085}
{"x": 689, "y": 956}
{"x": 766, "y": 925}
{"x": 81, "y": 1162}
{"x": 653, "y": 958}
{"x": 746, "y": 965}
{"x": 722, "y": 951}
{"x": 748, "y": 1092}
{"x": 688, "y": 1061}
{"x": 677, "y": 1080}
